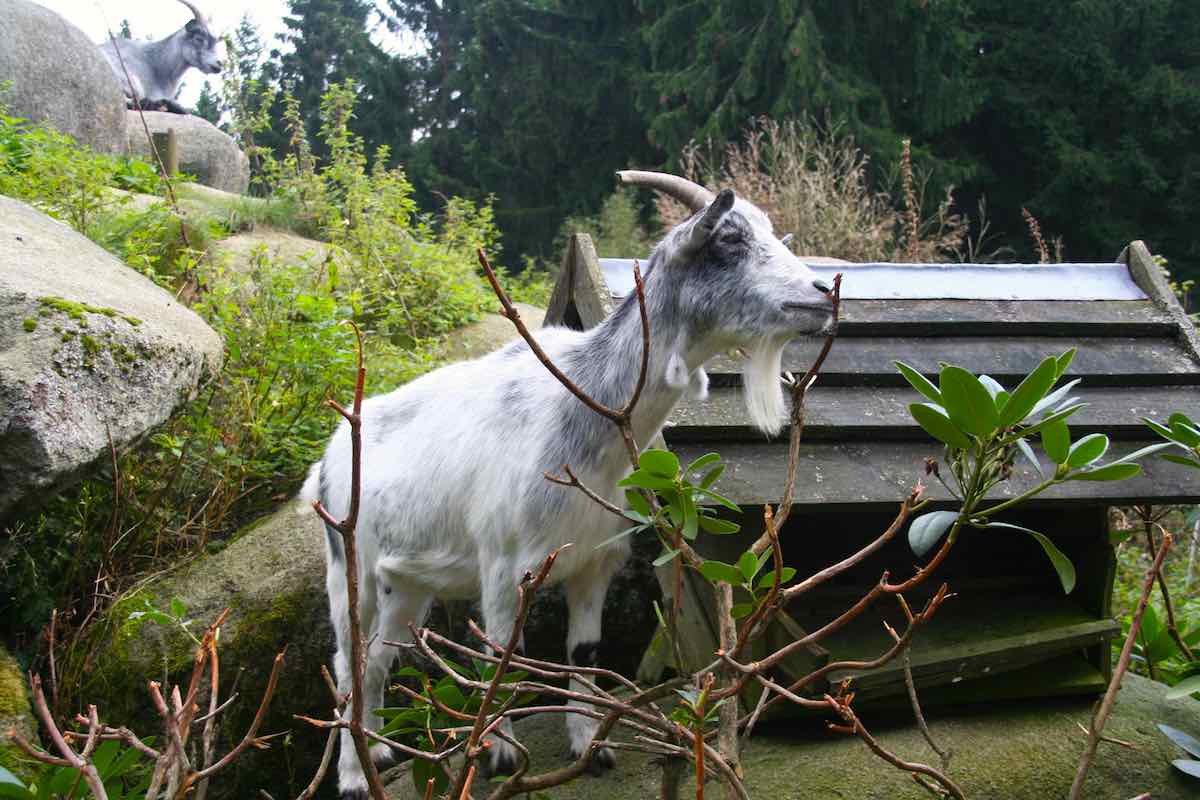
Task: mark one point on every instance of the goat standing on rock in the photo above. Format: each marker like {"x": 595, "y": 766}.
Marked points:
{"x": 156, "y": 68}
{"x": 454, "y": 501}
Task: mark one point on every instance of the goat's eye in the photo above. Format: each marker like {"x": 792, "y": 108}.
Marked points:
{"x": 732, "y": 237}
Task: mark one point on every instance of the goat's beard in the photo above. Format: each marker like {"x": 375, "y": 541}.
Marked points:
{"x": 761, "y": 385}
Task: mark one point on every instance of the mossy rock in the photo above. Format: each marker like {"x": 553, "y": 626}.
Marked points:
{"x": 482, "y": 337}
{"x": 272, "y": 577}
{"x": 1012, "y": 751}
{"x": 15, "y": 714}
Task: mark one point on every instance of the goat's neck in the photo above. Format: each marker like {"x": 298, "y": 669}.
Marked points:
{"x": 611, "y": 357}
{"x": 166, "y": 53}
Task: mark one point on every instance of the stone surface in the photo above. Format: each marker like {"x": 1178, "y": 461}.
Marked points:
{"x": 482, "y": 337}
{"x": 204, "y": 150}
{"x": 1011, "y": 751}
{"x": 88, "y": 348}
{"x": 237, "y": 252}
{"x": 15, "y": 714}
{"x": 59, "y": 76}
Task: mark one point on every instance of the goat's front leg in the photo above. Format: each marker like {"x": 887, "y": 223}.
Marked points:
{"x": 586, "y": 591}
{"x": 499, "y": 604}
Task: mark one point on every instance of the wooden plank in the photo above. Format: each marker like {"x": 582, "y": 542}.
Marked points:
{"x": 1100, "y": 361}
{"x": 881, "y": 413}
{"x": 833, "y": 476}
{"x": 975, "y": 634}
{"x": 952, "y": 318}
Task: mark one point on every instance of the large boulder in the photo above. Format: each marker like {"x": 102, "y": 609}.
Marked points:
{"x": 59, "y": 76}
{"x": 204, "y": 150}
{"x": 1010, "y": 751}
{"x": 89, "y": 349}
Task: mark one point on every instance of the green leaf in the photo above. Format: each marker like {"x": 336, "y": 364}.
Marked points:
{"x": 1062, "y": 564}
{"x": 768, "y": 580}
{"x": 1064, "y": 361}
{"x": 637, "y": 502}
{"x": 992, "y": 385}
{"x": 935, "y": 422}
{"x": 1181, "y": 418}
{"x": 741, "y": 610}
{"x": 1030, "y": 456}
{"x": 719, "y": 571}
{"x": 969, "y": 405}
{"x": 1182, "y": 739}
{"x": 1184, "y": 460}
{"x": 1187, "y": 766}
{"x": 178, "y": 608}
{"x": 928, "y": 529}
{"x": 1086, "y": 450}
{"x": 689, "y": 515}
{"x": 1050, "y": 419}
{"x": 1161, "y": 430}
{"x": 748, "y": 565}
{"x": 725, "y": 501}
{"x": 702, "y": 462}
{"x": 1183, "y": 689}
{"x": 1056, "y": 441}
{"x": 1145, "y": 451}
{"x": 1053, "y": 399}
{"x": 1109, "y": 472}
{"x": 1184, "y": 432}
{"x": 8, "y": 778}
{"x": 618, "y": 536}
{"x": 662, "y": 463}
{"x": 718, "y": 526}
{"x": 665, "y": 557}
{"x": 1029, "y": 392}
{"x": 713, "y": 475}
{"x": 919, "y": 382}
{"x": 646, "y": 480}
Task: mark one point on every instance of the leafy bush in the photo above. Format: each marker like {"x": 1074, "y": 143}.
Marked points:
{"x": 243, "y": 444}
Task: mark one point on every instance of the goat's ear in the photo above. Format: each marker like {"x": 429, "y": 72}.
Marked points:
{"x": 704, "y": 227}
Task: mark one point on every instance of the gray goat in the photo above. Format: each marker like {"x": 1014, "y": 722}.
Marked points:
{"x": 155, "y": 68}
{"x": 454, "y": 502}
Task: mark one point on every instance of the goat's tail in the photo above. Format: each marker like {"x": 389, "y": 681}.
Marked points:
{"x": 313, "y": 490}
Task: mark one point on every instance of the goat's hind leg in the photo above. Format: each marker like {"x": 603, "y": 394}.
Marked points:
{"x": 399, "y": 605}
{"x": 499, "y": 604}
{"x": 586, "y": 591}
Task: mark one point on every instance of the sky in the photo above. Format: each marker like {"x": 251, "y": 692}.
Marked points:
{"x": 159, "y": 18}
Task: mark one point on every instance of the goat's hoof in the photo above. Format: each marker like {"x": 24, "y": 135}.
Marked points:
{"x": 502, "y": 763}
{"x": 354, "y": 794}
{"x": 601, "y": 761}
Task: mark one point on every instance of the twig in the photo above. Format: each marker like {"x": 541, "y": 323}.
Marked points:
{"x": 910, "y": 684}
{"x": 82, "y": 760}
{"x": 1148, "y": 525}
{"x": 859, "y": 730}
{"x": 1114, "y": 685}
{"x": 346, "y": 528}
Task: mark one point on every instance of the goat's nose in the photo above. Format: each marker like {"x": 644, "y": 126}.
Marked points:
{"x": 821, "y": 286}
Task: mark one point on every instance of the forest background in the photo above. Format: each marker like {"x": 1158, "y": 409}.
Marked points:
{"x": 1085, "y": 113}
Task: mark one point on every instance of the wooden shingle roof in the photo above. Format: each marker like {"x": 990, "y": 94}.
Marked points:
{"x": 1138, "y": 356}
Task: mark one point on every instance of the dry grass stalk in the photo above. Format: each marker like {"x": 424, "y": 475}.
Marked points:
{"x": 812, "y": 181}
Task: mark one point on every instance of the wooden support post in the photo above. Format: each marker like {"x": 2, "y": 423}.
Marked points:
{"x": 167, "y": 145}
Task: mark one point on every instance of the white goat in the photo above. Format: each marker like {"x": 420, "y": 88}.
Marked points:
{"x": 156, "y": 68}
{"x": 454, "y": 503}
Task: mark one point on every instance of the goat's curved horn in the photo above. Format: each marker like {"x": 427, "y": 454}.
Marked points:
{"x": 196, "y": 13}
{"x": 692, "y": 195}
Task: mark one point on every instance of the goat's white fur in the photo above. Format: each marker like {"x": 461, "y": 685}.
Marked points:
{"x": 453, "y": 499}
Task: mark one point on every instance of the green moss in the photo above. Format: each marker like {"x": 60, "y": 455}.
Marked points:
{"x": 90, "y": 345}
{"x": 30, "y": 325}
{"x": 76, "y": 310}
{"x": 13, "y": 700}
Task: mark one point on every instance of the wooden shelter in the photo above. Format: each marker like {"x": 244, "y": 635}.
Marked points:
{"x": 1010, "y": 631}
